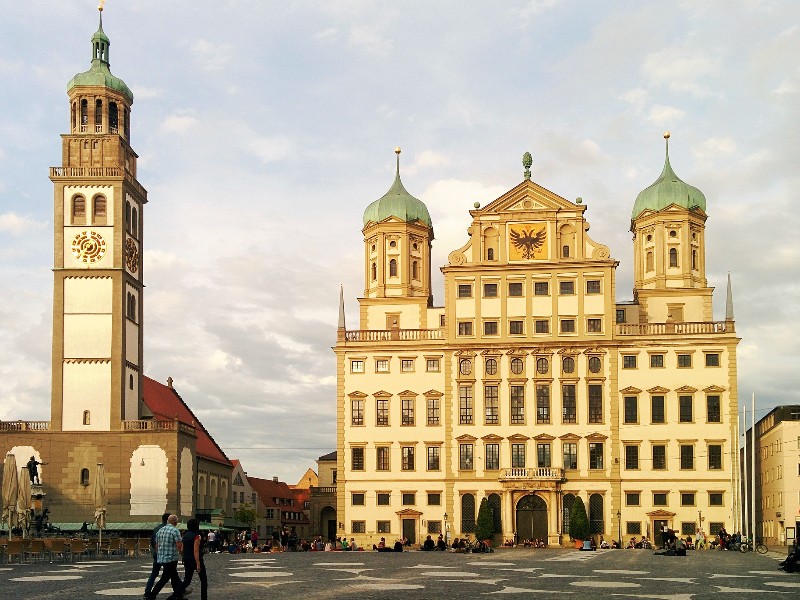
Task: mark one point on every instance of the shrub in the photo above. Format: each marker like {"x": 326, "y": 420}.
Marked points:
{"x": 484, "y": 529}
{"x": 578, "y": 521}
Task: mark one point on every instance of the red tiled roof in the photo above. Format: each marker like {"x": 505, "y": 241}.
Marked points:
{"x": 166, "y": 405}
{"x": 268, "y": 490}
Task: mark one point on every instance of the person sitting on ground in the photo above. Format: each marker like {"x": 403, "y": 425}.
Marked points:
{"x": 428, "y": 544}
{"x": 353, "y": 545}
{"x": 344, "y": 545}
{"x": 441, "y": 544}
{"x": 790, "y": 564}
{"x": 631, "y": 543}
{"x": 398, "y": 546}
{"x": 454, "y": 547}
{"x": 604, "y": 544}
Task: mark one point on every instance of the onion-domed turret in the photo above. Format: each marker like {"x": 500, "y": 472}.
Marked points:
{"x": 99, "y": 73}
{"x": 397, "y": 202}
{"x": 667, "y": 190}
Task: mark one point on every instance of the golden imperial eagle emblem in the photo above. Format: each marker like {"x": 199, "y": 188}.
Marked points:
{"x": 528, "y": 242}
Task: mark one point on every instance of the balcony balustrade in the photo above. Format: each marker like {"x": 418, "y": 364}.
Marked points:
{"x": 532, "y": 474}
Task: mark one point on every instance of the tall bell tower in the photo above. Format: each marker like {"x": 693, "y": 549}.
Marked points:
{"x": 98, "y": 235}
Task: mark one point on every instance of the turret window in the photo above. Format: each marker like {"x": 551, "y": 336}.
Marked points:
{"x": 135, "y": 222}
{"x": 99, "y": 208}
{"x": 98, "y": 116}
{"x": 694, "y": 260}
{"x": 490, "y": 254}
{"x": 84, "y": 114}
{"x": 374, "y": 272}
{"x": 79, "y": 210}
{"x": 128, "y": 217}
{"x": 649, "y": 261}
{"x": 673, "y": 257}
{"x": 87, "y": 417}
{"x": 415, "y": 270}
{"x": 393, "y": 268}
{"x": 113, "y": 117}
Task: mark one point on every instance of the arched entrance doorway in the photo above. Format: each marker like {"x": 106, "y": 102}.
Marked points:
{"x": 327, "y": 522}
{"x": 532, "y": 518}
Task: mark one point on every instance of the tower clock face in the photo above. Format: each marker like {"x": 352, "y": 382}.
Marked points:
{"x": 131, "y": 255}
{"x": 88, "y": 246}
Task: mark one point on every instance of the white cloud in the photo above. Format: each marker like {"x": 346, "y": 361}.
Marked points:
{"x": 178, "y": 123}
{"x": 327, "y": 36}
{"x": 681, "y": 69}
{"x": 211, "y": 56}
{"x": 271, "y": 149}
{"x": 369, "y": 40}
{"x": 637, "y": 97}
{"x": 714, "y": 148}
{"x": 17, "y": 225}
{"x": 665, "y": 114}
{"x": 431, "y": 159}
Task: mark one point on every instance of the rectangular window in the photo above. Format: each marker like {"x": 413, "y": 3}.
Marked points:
{"x": 632, "y": 498}
{"x": 712, "y": 359}
{"x": 357, "y": 411}
{"x": 714, "y": 528}
{"x": 629, "y": 361}
{"x": 688, "y": 528}
{"x": 407, "y": 365}
{"x": 715, "y": 457}
{"x": 685, "y": 403}
{"x": 465, "y": 290}
{"x": 542, "y": 403}
{"x": 595, "y": 403}
{"x": 656, "y": 361}
{"x": 684, "y": 360}
{"x": 434, "y": 499}
{"x": 357, "y": 499}
{"x": 518, "y": 456}
{"x": 491, "y": 405}
{"x": 433, "y": 458}
{"x": 566, "y": 288}
{"x": 407, "y": 454}
{"x": 593, "y": 286}
{"x": 432, "y": 365}
{"x": 490, "y": 328}
{"x": 595, "y": 455}
{"x": 715, "y": 498}
{"x": 594, "y": 325}
{"x": 632, "y": 457}
{"x": 659, "y": 499}
{"x": 515, "y": 289}
{"x": 657, "y": 414}
{"x": 713, "y": 413}
{"x": 358, "y": 526}
{"x": 407, "y": 411}
{"x": 567, "y": 325}
{"x": 465, "y": 457}
{"x": 356, "y": 366}
{"x": 490, "y": 290}
{"x": 465, "y": 328}
{"x": 357, "y": 459}
{"x": 492, "y": 457}
{"x": 382, "y": 365}
{"x": 543, "y": 455}
{"x": 569, "y": 410}
{"x": 383, "y": 527}
{"x": 433, "y": 411}
{"x": 382, "y": 411}
{"x": 465, "y": 405}
{"x": 542, "y": 326}
{"x": 659, "y": 457}
{"x": 434, "y": 527}
{"x": 409, "y": 498}
{"x": 620, "y": 315}
{"x": 570, "y": 455}
{"x": 517, "y": 404}
{"x": 382, "y": 499}
{"x": 382, "y": 458}
{"x": 687, "y": 498}
{"x": 631, "y": 409}
{"x": 541, "y": 288}
{"x": 687, "y": 456}
{"x": 633, "y": 527}
{"x": 516, "y": 327}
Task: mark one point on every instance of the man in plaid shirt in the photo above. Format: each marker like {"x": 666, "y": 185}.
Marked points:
{"x": 168, "y": 549}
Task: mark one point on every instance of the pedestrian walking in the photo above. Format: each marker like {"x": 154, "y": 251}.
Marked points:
{"x": 192, "y": 561}
{"x": 168, "y": 551}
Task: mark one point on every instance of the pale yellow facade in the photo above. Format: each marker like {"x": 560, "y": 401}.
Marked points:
{"x": 532, "y": 384}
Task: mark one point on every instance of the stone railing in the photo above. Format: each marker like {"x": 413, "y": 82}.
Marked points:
{"x": 82, "y": 172}
{"x": 324, "y": 490}
{"x": 533, "y": 473}
{"x": 674, "y": 328}
{"x": 153, "y": 425}
{"x": 385, "y": 335}
{"x": 24, "y": 425}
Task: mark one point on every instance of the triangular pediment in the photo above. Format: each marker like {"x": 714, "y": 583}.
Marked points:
{"x": 570, "y": 437}
{"x": 713, "y": 389}
{"x": 658, "y": 390}
{"x": 630, "y": 390}
{"x": 528, "y": 196}
{"x": 466, "y": 438}
{"x": 357, "y": 394}
{"x": 656, "y": 514}
{"x": 518, "y": 437}
{"x": 433, "y": 394}
{"x": 382, "y": 394}
{"x": 408, "y": 393}
{"x": 686, "y": 389}
{"x": 544, "y": 437}
{"x": 596, "y": 436}
{"x": 408, "y": 512}
{"x": 492, "y": 437}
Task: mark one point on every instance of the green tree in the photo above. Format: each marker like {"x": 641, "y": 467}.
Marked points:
{"x": 245, "y": 514}
{"x": 578, "y": 521}
{"x": 484, "y": 529}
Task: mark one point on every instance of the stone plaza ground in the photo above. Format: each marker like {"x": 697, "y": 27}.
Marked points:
{"x": 429, "y": 575}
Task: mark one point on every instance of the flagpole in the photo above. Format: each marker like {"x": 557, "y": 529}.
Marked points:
{"x": 745, "y": 480}
{"x": 753, "y": 469}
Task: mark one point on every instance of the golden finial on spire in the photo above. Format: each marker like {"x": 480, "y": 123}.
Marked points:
{"x": 666, "y": 135}
{"x": 397, "y": 150}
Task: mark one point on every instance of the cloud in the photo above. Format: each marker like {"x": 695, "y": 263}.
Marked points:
{"x": 17, "y": 225}
{"x": 211, "y": 56}
{"x": 681, "y": 69}
{"x": 714, "y": 148}
{"x": 178, "y": 123}
{"x": 431, "y": 159}
{"x": 327, "y": 36}
{"x": 665, "y": 114}
{"x": 271, "y": 149}
{"x": 369, "y": 39}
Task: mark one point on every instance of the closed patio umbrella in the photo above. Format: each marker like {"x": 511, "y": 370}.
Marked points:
{"x": 24, "y": 499}
{"x": 9, "y": 496}
{"x": 100, "y": 499}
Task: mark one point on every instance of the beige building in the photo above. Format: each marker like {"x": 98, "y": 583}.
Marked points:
{"x": 532, "y": 384}
{"x": 157, "y": 455}
{"x": 777, "y": 476}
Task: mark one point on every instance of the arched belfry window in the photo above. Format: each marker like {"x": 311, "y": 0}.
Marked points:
{"x": 99, "y": 208}
{"x": 87, "y": 417}
{"x": 84, "y": 113}
{"x": 98, "y": 116}
{"x": 128, "y": 216}
{"x": 131, "y": 308}
{"x": 84, "y": 476}
{"x": 393, "y": 268}
{"x": 78, "y": 210}
{"x": 673, "y": 257}
{"x": 74, "y": 116}
{"x": 694, "y": 260}
{"x": 126, "y": 123}
{"x": 113, "y": 117}
{"x": 135, "y": 222}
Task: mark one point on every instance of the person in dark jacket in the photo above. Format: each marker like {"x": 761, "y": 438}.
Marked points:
{"x": 192, "y": 561}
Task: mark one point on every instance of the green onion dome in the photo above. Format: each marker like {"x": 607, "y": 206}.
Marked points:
{"x": 397, "y": 202}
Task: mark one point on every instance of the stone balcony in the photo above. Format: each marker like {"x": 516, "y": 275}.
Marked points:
{"x": 24, "y": 425}
{"x": 532, "y": 474}
{"x": 683, "y": 328}
{"x": 388, "y": 335}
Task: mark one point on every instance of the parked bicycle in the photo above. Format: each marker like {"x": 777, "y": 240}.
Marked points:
{"x": 747, "y": 546}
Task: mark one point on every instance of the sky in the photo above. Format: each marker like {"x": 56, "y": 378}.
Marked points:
{"x": 264, "y": 129}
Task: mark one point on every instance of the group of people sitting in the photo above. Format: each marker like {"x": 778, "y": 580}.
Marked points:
{"x": 642, "y": 544}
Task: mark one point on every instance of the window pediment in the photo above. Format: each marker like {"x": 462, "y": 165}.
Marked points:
{"x": 466, "y": 438}
{"x": 357, "y": 394}
{"x": 686, "y": 389}
{"x": 630, "y": 390}
{"x": 713, "y": 389}
{"x": 382, "y": 394}
{"x": 658, "y": 390}
{"x": 433, "y": 394}
{"x": 544, "y": 437}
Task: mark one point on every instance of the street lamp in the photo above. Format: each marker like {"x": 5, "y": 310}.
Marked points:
{"x": 445, "y": 528}
{"x": 619, "y": 524}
